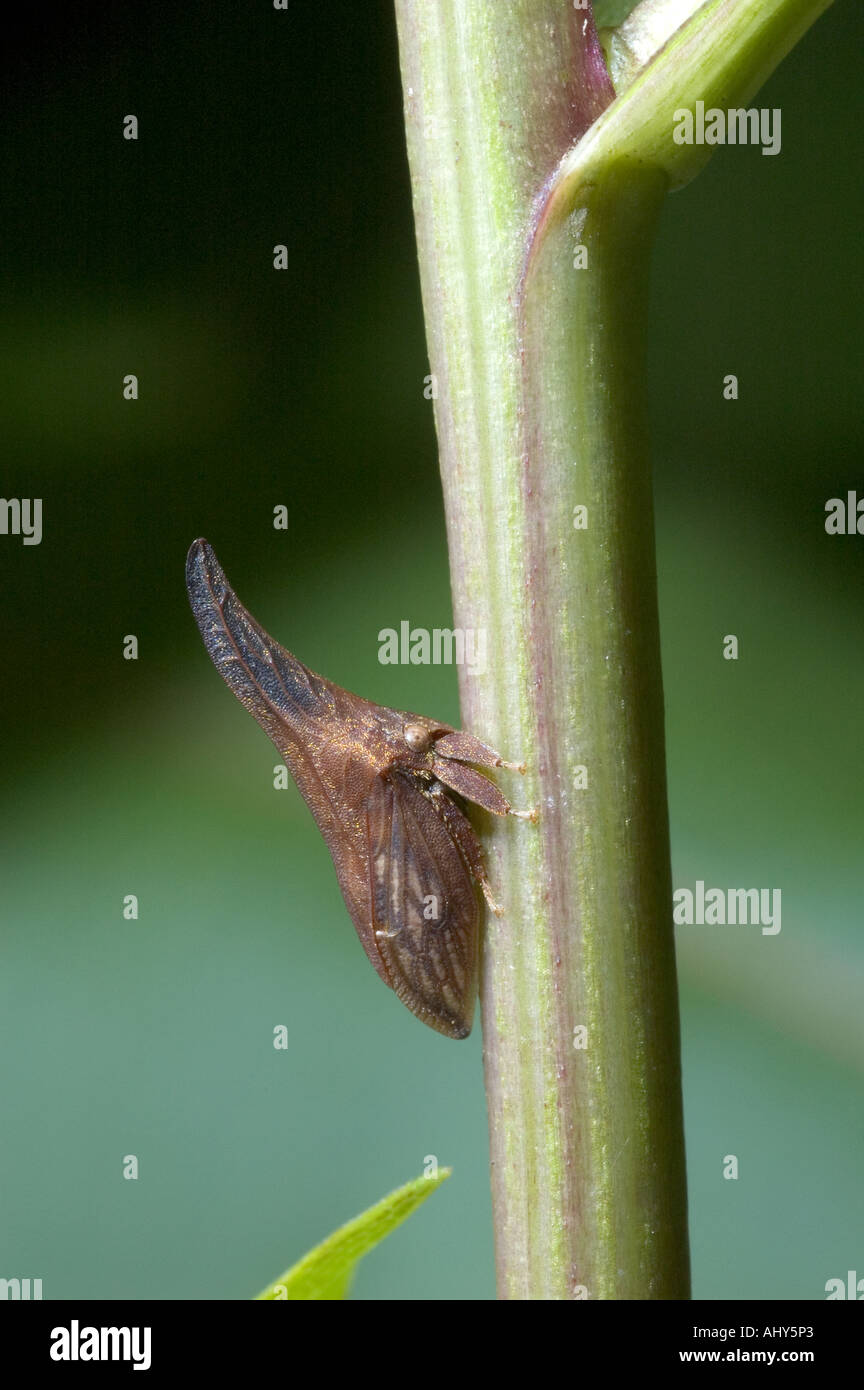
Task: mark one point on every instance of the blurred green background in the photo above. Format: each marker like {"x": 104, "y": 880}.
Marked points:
{"x": 305, "y": 388}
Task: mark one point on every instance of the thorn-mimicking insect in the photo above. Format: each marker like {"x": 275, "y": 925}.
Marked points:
{"x": 379, "y": 783}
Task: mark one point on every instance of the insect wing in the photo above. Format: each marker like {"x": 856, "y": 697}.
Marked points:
{"x": 424, "y": 907}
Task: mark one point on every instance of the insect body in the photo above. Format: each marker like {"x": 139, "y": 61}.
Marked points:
{"x": 380, "y": 785}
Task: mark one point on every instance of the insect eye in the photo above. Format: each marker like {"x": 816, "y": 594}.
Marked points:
{"x": 417, "y": 738}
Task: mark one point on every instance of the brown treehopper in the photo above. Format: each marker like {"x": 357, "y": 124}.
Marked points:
{"x": 380, "y": 785}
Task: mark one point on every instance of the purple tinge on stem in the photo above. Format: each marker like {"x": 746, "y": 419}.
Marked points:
{"x": 592, "y": 89}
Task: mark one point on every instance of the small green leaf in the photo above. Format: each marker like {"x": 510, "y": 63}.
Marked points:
{"x": 326, "y": 1271}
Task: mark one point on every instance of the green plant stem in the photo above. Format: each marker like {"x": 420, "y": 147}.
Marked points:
{"x": 539, "y": 411}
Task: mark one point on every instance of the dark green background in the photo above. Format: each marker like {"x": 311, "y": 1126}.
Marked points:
{"x": 306, "y": 388}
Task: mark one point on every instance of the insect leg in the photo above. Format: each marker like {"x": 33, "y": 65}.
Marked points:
{"x": 469, "y": 749}
{"x": 462, "y": 833}
{"x": 471, "y": 784}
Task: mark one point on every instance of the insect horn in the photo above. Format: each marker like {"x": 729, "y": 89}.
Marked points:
{"x": 243, "y": 653}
